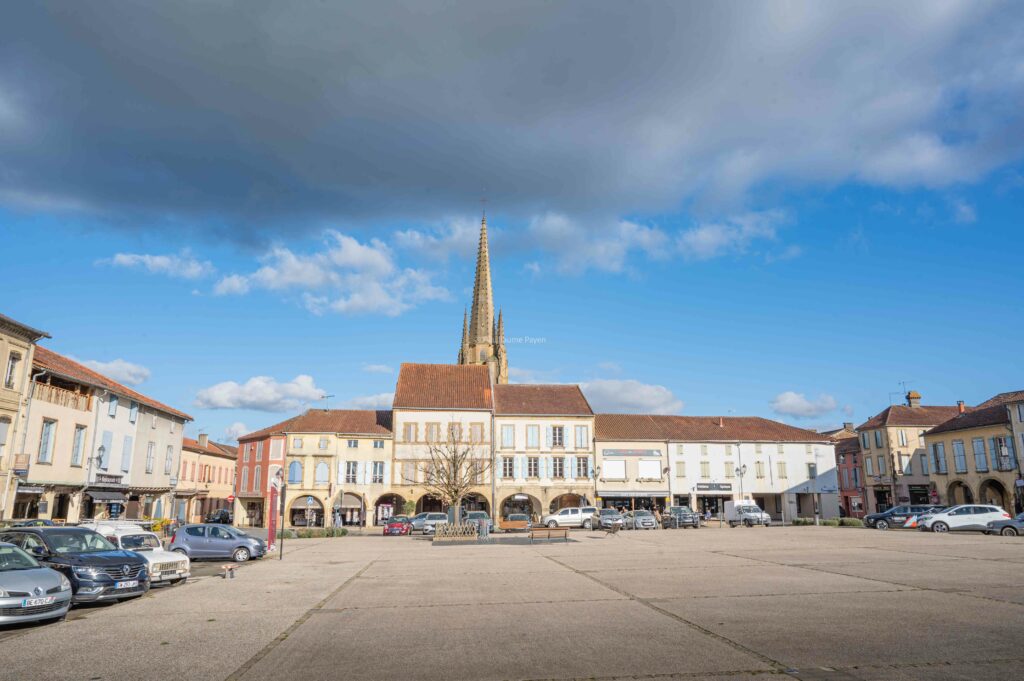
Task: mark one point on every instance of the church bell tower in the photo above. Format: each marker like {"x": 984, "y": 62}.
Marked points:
{"x": 483, "y": 338}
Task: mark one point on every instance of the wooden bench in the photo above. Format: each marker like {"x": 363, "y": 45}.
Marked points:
{"x": 549, "y": 533}
{"x": 513, "y": 525}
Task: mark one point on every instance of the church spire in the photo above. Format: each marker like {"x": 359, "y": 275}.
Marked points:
{"x": 464, "y": 348}
{"x": 481, "y": 324}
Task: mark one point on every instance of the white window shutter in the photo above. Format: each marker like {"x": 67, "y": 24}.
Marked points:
{"x": 517, "y": 467}
{"x": 570, "y": 464}
{"x": 387, "y": 472}
{"x": 549, "y": 437}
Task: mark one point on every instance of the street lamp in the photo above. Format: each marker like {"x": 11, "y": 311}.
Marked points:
{"x": 740, "y": 472}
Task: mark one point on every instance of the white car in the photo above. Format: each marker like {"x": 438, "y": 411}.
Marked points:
{"x": 165, "y": 567}
{"x": 571, "y": 517}
{"x": 965, "y": 517}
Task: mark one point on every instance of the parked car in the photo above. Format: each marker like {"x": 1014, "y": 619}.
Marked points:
{"x": 606, "y": 518}
{"x": 897, "y": 515}
{"x": 221, "y": 516}
{"x": 963, "y": 517}
{"x": 571, "y": 517}
{"x": 165, "y": 567}
{"x": 639, "y": 520}
{"x": 478, "y": 518}
{"x": 745, "y": 513}
{"x": 36, "y": 522}
{"x": 432, "y": 521}
{"x": 680, "y": 516}
{"x": 397, "y": 525}
{"x": 216, "y": 541}
{"x": 417, "y": 521}
{"x": 30, "y": 592}
{"x": 97, "y": 570}
{"x": 515, "y": 522}
{"x": 1007, "y": 528}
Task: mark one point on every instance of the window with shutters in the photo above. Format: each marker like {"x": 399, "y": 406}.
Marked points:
{"x": 704, "y": 450}
{"x": 680, "y": 469}
{"x": 76, "y": 446}
{"x": 881, "y": 465}
{"x": 408, "y": 472}
{"x": 869, "y": 465}
{"x": 324, "y": 443}
{"x": 46, "y": 437}
{"x": 351, "y": 471}
{"x": 812, "y": 471}
{"x": 5, "y": 428}
{"x": 856, "y": 478}
{"x": 11, "y": 375}
{"x": 353, "y": 444}
{"x": 557, "y": 436}
{"x": 259, "y": 450}
{"x": 321, "y": 474}
{"x": 730, "y": 469}
{"x": 476, "y": 433}
{"x": 759, "y": 469}
{"x": 980, "y": 464}
{"x": 152, "y": 423}
{"x": 533, "y": 467}
{"x": 878, "y": 439}
{"x": 558, "y": 467}
{"x": 409, "y": 432}
{"x": 377, "y": 473}
{"x": 126, "y": 453}
{"x": 924, "y": 464}
{"x": 901, "y": 437}
{"x": 507, "y": 467}
{"x": 256, "y": 479}
{"x": 907, "y": 464}
{"x": 246, "y": 450}
{"x": 705, "y": 470}
{"x": 959, "y": 457}
{"x": 245, "y": 478}
{"x": 582, "y": 437}
{"x": 582, "y": 467}
{"x": 133, "y": 412}
{"x": 192, "y": 472}
{"x": 920, "y": 438}
{"x": 150, "y": 456}
{"x": 112, "y": 406}
{"x": 378, "y": 444}
{"x": 865, "y": 441}
{"x": 757, "y": 448}
{"x": 782, "y": 470}
{"x": 297, "y": 443}
{"x": 433, "y": 432}
{"x": 294, "y": 473}
{"x": 476, "y": 472}
{"x": 533, "y": 437}
{"x": 508, "y": 436}
{"x": 455, "y": 432}
{"x": 728, "y": 450}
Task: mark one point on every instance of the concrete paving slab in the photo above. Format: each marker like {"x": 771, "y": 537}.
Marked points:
{"x": 870, "y": 628}
{"x": 531, "y": 641}
{"x": 938, "y": 574}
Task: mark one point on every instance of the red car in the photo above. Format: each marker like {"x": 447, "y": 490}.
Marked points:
{"x": 397, "y": 524}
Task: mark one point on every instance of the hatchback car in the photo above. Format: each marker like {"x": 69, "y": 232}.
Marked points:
{"x": 639, "y": 520}
{"x": 680, "y": 516}
{"x": 963, "y": 518}
{"x": 606, "y": 519}
{"x": 97, "y": 570}
{"x": 397, "y": 525}
{"x": 165, "y": 567}
{"x": 478, "y": 518}
{"x": 30, "y": 592}
{"x": 431, "y": 522}
{"x": 897, "y": 516}
{"x": 216, "y": 541}
{"x": 1007, "y": 527}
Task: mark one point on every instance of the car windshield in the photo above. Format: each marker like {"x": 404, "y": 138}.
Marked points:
{"x": 136, "y": 542}
{"x": 609, "y": 511}
{"x": 13, "y": 558}
{"x": 69, "y": 541}
{"x": 641, "y": 513}
{"x": 396, "y": 519}
{"x": 234, "y": 530}
{"x": 518, "y": 516}
{"x": 477, "y": 514}
{"x": 680, "y": 509}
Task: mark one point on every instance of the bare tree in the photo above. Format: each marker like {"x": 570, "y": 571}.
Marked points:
{"x": 454, "y": 467}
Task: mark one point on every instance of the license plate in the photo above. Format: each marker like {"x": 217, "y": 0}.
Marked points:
{"x": 131, "y": 583}
{"x": 30, "y": 602}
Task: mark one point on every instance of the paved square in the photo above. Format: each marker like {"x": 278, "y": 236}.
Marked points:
{"x": 811, "y": 603}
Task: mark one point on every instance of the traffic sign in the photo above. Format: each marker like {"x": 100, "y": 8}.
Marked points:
{"x": 231, "y": 497}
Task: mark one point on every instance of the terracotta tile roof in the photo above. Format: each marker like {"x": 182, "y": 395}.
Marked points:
{"x": 522, "y": 398}
{"x": 902, "y": 415}
{"x": 276, "y": 429}
{"x": 979, "y": 417}
{"x": 346, "y": 421}
{"x": 1004, "y": 398}
{"x": 68, "y": 368}
{"x": 699, "y": 429}
{"x": 443, "y": 386}
{"x": 212, "y": 448}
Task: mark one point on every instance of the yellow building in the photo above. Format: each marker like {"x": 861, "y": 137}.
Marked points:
{"x": 973, "y": 456}
{"x": 206, "y": 478}
{"x": 17, "y": 345}
{"x": 892, "y": 447}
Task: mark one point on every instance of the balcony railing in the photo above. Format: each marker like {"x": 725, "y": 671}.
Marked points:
{"x": 61, "y": 397}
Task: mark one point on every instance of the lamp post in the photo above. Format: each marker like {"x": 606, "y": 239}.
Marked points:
{"x": 741, "y": 470}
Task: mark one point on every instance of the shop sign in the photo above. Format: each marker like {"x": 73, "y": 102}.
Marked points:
{"x": 520, "y": 497}
{"x": 714, "y": 486}
{"x": 631, "y": 452}
{"x": 26, "y": 489}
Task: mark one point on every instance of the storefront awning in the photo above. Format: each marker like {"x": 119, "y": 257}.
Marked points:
{"x": 613, "y": 493}
{"x": 103, "y": 495}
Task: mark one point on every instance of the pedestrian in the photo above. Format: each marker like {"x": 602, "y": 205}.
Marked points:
{"x": 657, "y": 516}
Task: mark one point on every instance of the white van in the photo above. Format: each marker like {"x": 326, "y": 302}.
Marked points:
{"x": 165, "y": 567}
{"x": 745, "y": 513}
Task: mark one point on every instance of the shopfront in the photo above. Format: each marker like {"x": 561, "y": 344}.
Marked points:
{"x": 711, "y": 497}
{"x": 101, "y": 503}
{"x": 919, "y": 494}
{"x": 625, "y": 500}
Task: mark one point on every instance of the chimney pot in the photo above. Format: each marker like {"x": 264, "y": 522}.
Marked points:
{"x": 848, "y": 425}
{"x": 203, "y": 439}
{"x": 913, "y": 399}
{"x": 721, "y": 422}
{"x": 960, "y": 406}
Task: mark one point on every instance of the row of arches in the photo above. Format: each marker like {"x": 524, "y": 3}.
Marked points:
{"x": 990, "y": 491}
{"x": 347, "y": 508}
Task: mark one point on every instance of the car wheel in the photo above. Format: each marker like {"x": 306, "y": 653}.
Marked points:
{"x": 552, "y": 523}
{"x": 1008, "y": 532}
{"x": 240, "y": 555}
{"x": 181, "y": 551}
{"x": 940, "y": 527}
{"x": 749, "y": 523}
{"x": 587, "y": 524}
{"x": 881, "y": 525}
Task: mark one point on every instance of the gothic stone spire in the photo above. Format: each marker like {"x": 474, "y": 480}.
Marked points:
{"x": 481, "y": 324}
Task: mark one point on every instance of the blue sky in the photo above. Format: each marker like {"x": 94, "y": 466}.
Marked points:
{"x": 688, "y": 212}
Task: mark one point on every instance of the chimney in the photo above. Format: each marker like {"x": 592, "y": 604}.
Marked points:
{"x": 960, "y": 406}
{"x": 913, "y": 399}
{"x": 203, "y": 440}
{"x": 721, "y": 422}
{"x": 848, "y": 425}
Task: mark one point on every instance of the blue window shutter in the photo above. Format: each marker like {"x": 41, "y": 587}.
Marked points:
{"x": 570, "y": 464}
{"x": 517, "y": 464}
{"x": 550, "y": 437}
{"x": 108, "y": 444}
{"x": 550, "y": 463}
{"x": 126, "y": 453}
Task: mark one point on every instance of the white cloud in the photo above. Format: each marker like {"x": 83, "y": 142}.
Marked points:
{"x": 795, "y": 404}
{"x": 378, "y": 401}
{"x": 181, "y": 266}
{"x": 732, "y": 236}
{"x": 610, "y": 367}
{"x": 378, "y": 369}
{"x": 261, "y": 393}
{"x": 459, "y": 237}
{"x": 521, "y": 375}
{"x": 120, "y": 370}
{"x": 601, "y": 245}
{"x": 631, "y": 396}
{"x": 347, "y": 276}
{"x": 963, "y": 212}
{"x": 235, "y": 431}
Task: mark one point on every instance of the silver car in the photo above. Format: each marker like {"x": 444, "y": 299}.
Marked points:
{"x": 30, "y": 592}
{"x": 639, "y": 520}
{"x": 431, "y": 522}
{"x": 606, "y": 518}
